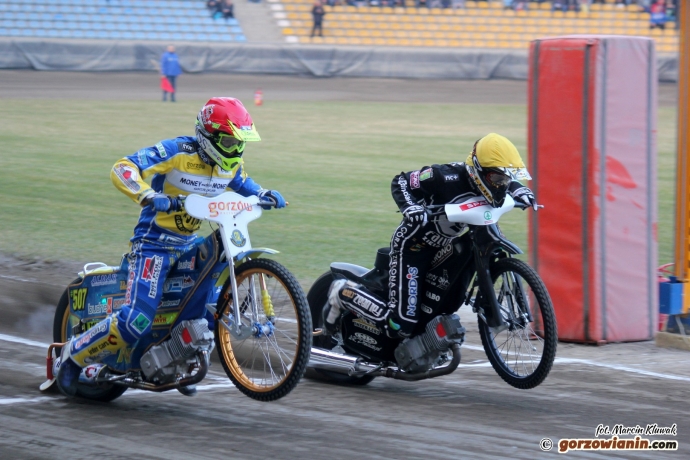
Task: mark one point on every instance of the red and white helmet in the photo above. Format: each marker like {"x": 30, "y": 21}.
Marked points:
{"x": 223, "y": 127}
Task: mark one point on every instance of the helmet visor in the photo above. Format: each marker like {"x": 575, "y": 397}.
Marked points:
{"x": 229, "y": 145}
{"x": 497, "y": 179}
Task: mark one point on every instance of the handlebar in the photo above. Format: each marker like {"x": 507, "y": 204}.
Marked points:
{"x": 438, "y": 209}
{"x": 181, "y": 199}
{"x": 524, "y": 206}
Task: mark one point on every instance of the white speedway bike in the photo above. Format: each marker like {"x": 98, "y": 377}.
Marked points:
{"x": 218, "y": 294}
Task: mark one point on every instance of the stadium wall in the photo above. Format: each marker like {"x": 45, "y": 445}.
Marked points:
{"x": 283, "y": 59}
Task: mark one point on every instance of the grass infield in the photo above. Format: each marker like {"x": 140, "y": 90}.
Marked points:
{"x": 333, "y": 161}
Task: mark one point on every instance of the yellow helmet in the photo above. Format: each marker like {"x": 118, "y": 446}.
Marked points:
{"x": 493, "y": 163}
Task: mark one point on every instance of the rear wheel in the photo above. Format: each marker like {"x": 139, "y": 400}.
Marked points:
{"x": 265, "y": 367}
{"x": 523, "y": 353}
{"x": 318, "y": 297}
{"x": 62, "y": 332}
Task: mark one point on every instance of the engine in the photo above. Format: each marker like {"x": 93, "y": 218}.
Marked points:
{"x": 162, "y": 363}
{"x": 419, "y": 353}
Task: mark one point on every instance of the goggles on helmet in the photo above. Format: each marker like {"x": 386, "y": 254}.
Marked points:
{"x": 230, "y": 145}
{"x": 497, "y": 178}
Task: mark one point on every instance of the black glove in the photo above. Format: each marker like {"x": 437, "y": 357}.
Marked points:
{"x": 416, "y": 214}
{"x": 522, "y": 193}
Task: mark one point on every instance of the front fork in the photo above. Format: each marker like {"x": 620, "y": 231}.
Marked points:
{"x": 491, "y": 308}
{"x": 235, "y": 327}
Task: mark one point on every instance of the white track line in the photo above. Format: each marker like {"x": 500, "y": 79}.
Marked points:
{"x": 11, "y": 401}
{"x": 28, "y": 280}
{"x": 585, "y": 362}
{"x": 31, "y": 343}
{"x": 619, "y": 367}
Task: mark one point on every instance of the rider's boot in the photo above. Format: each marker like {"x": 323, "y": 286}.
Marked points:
{"x": 348, "y": 295}
{"x": 87, "y": 349}
{"x": 332, "y": 310}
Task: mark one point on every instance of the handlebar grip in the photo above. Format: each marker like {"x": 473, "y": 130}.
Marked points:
{"x": 270, "y": 203}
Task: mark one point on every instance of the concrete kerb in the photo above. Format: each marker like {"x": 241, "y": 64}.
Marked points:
{"x": 671, "y": 340}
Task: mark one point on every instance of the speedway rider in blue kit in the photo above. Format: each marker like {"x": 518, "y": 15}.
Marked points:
{"x": 207, "y": 164}
{"x": 493, "y": 168}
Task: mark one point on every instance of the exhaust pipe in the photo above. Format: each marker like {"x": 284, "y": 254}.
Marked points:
{"x": 335, "y": 362}
{"x": 353, "y": 365}
{"x": 183, "y": 382}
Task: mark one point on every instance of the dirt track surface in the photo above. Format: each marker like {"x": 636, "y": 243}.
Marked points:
{"x": 469, "y": 414}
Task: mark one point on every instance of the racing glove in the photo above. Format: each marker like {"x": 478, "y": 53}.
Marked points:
{"x": 272, "y": 196}
{"x": 415, "y": 214}
{"x": 161, "y": 202}
{"x": 522, "y": 193}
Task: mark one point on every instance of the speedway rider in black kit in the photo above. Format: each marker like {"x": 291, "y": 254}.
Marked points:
{"x": 492, "y": 169}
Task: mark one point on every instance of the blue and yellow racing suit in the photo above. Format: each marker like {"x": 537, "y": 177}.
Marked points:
{"x": 175, "y": 167}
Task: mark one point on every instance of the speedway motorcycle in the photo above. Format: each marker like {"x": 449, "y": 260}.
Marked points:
{"x": 476, "y": 269}
{"x": 219, "y": 294}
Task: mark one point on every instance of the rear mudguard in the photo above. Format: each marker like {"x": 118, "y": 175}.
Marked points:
{"x": 350, "y": 271}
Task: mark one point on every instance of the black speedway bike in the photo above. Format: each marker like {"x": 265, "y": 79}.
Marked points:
{"x": 515, "y": 315}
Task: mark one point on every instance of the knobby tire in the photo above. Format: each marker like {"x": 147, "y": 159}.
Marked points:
{"x": 103, "y": 393}
{"x": 224, "y": 341}
{"x": 543, "y": 316}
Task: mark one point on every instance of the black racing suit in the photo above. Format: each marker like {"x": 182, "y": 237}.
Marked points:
{"x": 416, "y": 246}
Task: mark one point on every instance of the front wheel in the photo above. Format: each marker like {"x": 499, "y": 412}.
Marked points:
{"x": 62, "y": 332}
{"x": 265, "y": 366}
{"x": 523, "y": 353}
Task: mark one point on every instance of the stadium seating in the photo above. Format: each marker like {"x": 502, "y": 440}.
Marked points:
{"x": 479, "y": 25}
{"x": 187, "y": 20}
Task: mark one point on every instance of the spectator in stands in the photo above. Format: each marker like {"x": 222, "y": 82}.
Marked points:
{"x": 227, "y": 9}
{"x": 317, "y": 13}
{"x": 519, "y": 5}
{"x": 657, "y": 16}
{"x": 671, "y": 10}
{"x": 566, "y": 5}
{"x": 170, "y": 69}
{"x": 584, "y": 5}
{"x": 214, "y": 8}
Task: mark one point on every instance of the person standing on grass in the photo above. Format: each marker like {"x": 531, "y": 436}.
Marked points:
{"x": 170, "y": 69}
{"x": 317, "y": 13}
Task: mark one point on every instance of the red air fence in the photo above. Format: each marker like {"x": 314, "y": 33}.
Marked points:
{"x": 592, "y": 157}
